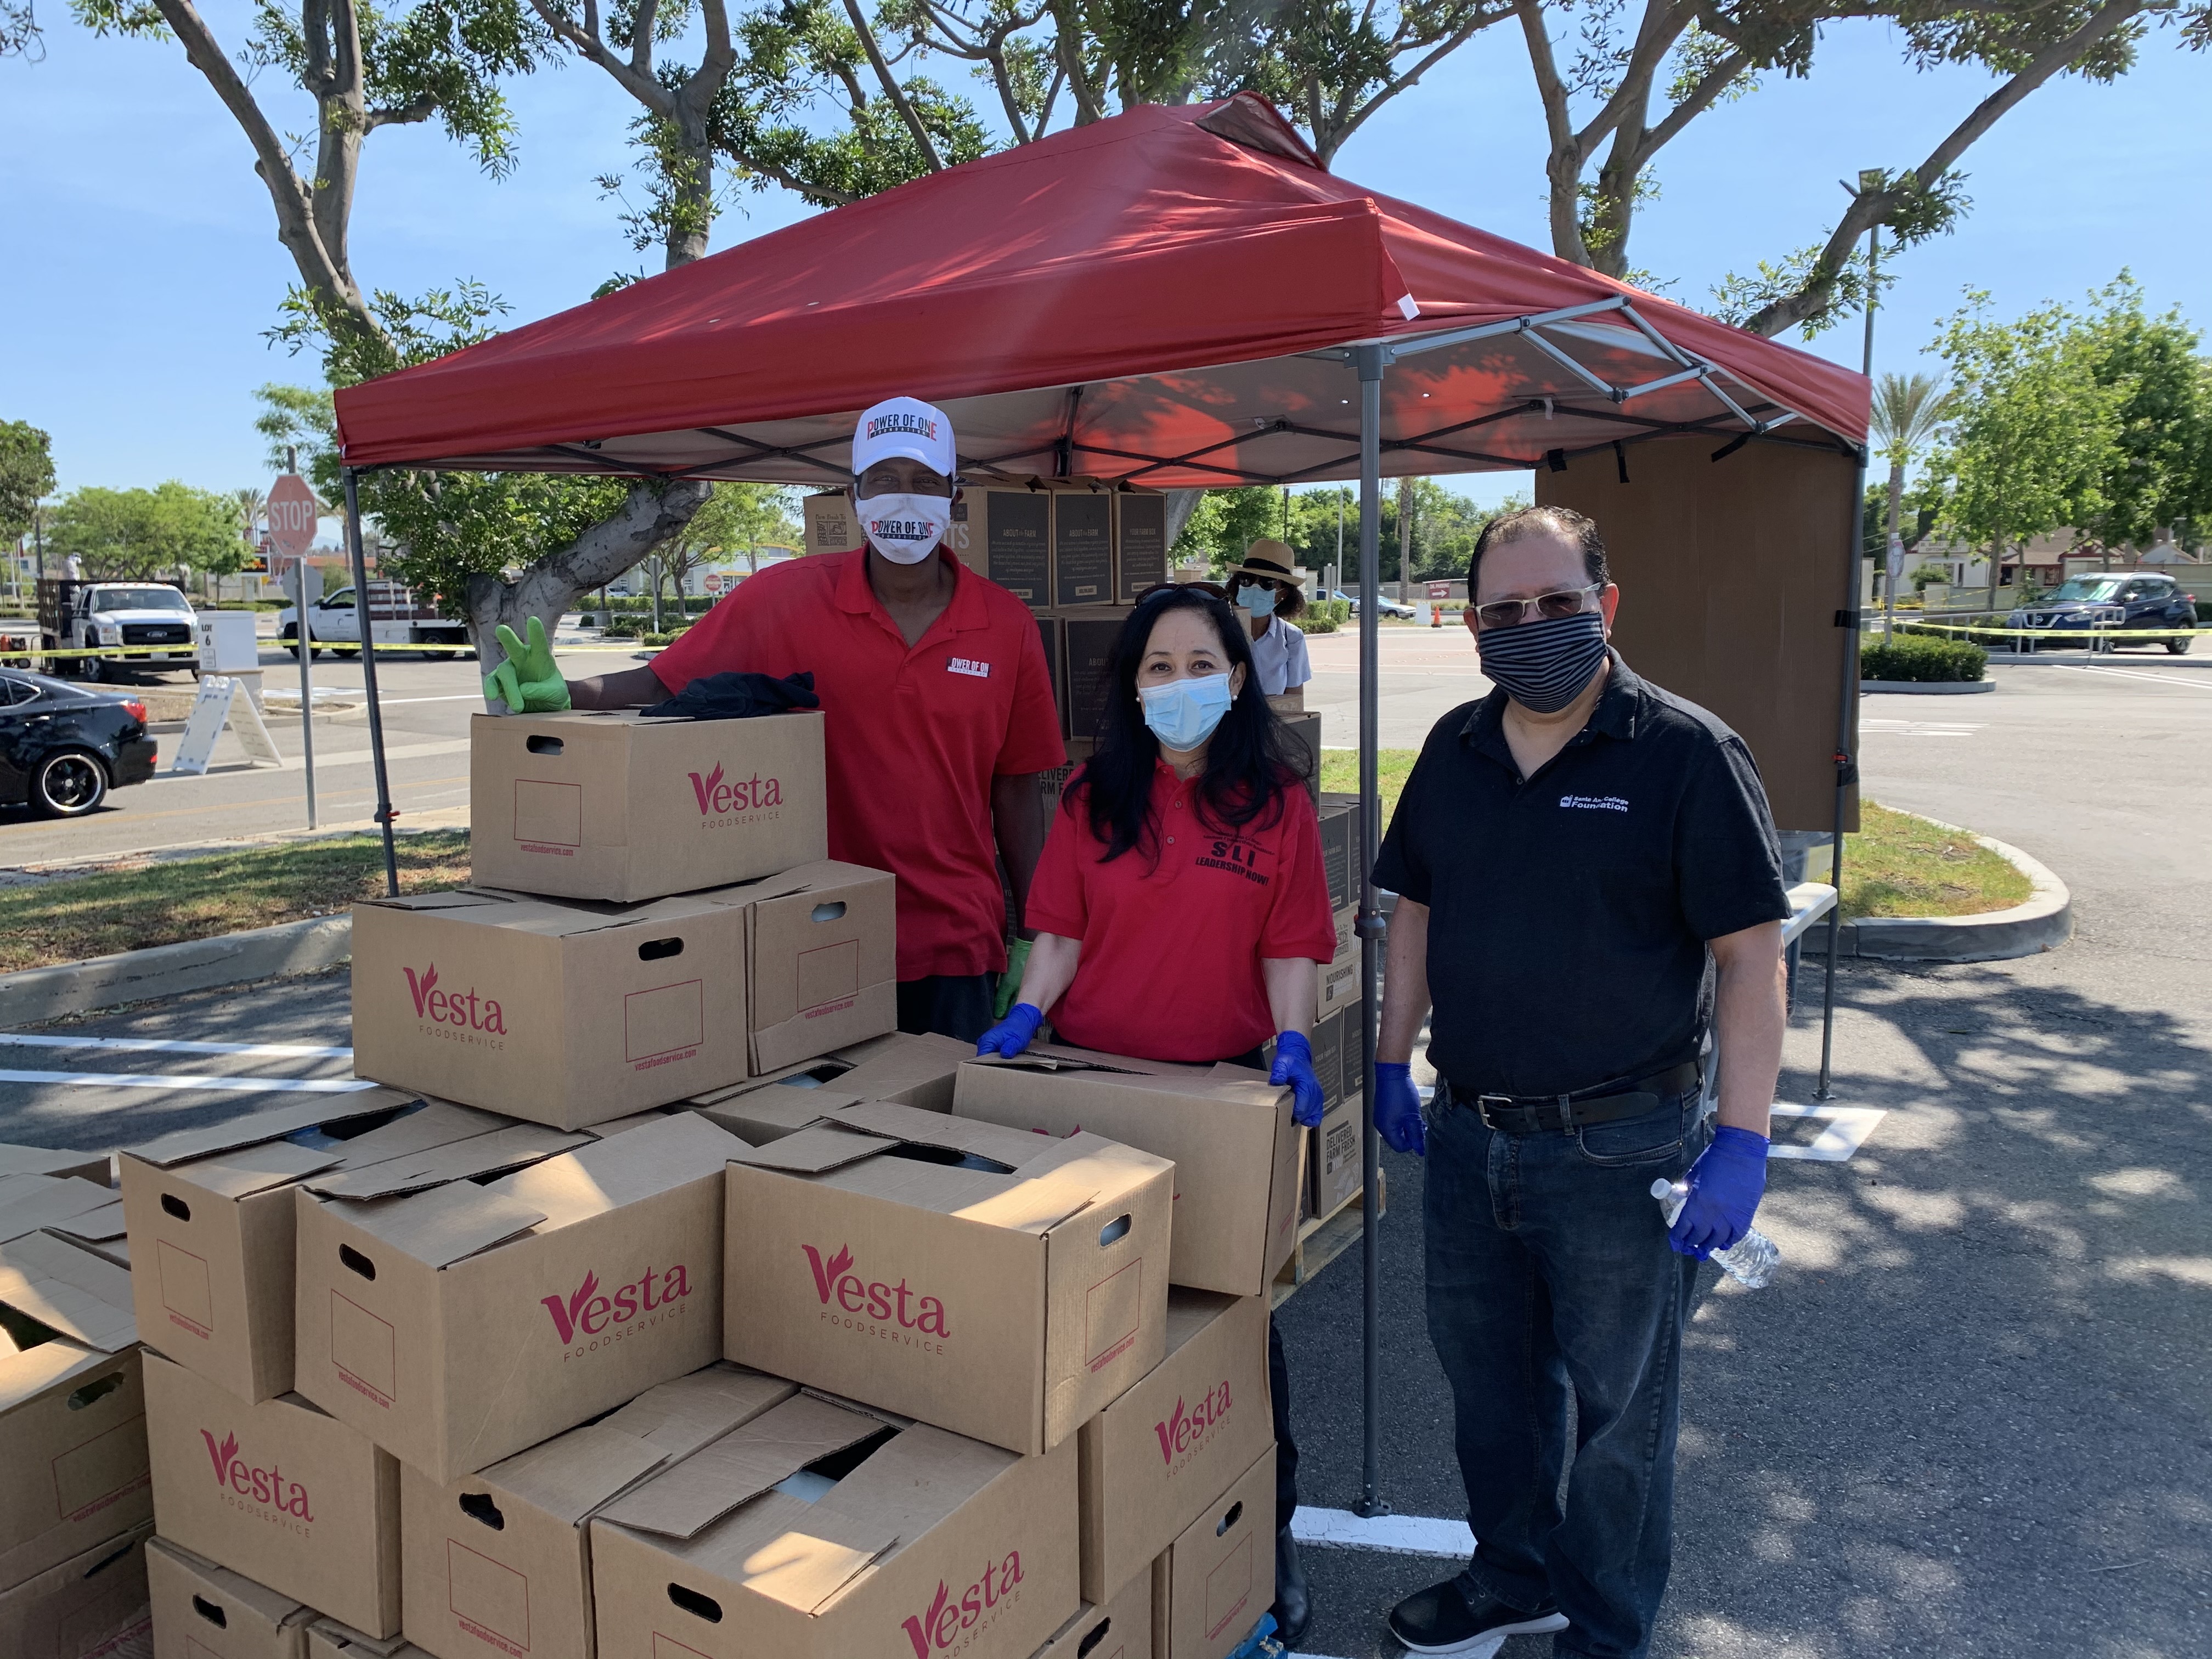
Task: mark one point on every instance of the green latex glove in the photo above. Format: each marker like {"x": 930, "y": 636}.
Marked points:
{"x": 527, "y": 682}
{"x": 1010, "y": 983}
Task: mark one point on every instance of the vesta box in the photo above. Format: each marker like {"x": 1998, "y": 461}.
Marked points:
{"x": 1227, "y": 1132}
{"x": 1156, "y": 1457}
{"x": 72, "y": 1405}
{"x": 1000, "y": 1284}
{"x": 203, "y": 1611}
{"x": 561, "y": 1012}
{"x": 292, "y": 1498}
{"x": 819, "y": 1531}
{"x": 209, "y": 1212}
{"x": 1006, "y": 535}
{"x": 821, "y": 959}
{"x": 91, "y": 1607}
{"x": 458, "y": 1325}
{"x": 1122, "y": 1629}
{"x": 1210, "y": 1589}
{"x": 614, "y": 805}
{"x": 903, "y": 1067}
{"x": 499, "y": 1562}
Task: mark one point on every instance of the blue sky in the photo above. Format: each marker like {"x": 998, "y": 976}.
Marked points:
{"x": 143, "y": 263}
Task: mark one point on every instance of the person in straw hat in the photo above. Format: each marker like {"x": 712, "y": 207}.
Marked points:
{"x": 1265, "y": 590}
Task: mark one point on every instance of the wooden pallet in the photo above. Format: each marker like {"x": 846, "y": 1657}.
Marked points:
{"x": 1322, "y": 1239}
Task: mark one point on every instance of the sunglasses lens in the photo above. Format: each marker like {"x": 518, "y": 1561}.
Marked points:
{"x": 1556, "y": 606}
{"x": 1503, "y": 614}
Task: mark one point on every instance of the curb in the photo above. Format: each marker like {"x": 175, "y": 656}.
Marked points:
{"x": 2044, "y": 923}
{"x": 1928, "y": 688}
{"x": 76, "y": 987}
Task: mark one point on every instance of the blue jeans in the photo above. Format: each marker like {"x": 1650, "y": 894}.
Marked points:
{"x": 1550, "y": 1278}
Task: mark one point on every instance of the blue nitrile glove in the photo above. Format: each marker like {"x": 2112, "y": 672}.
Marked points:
{"x": 1725, "y": 1185}
{"x": 1010, "y": 983}
{"x": 527, "y": 682}
{"x": 1398, "y": 1109}
{"x": 1014, "y": 1033}
{"x": 1294, "y": 1066}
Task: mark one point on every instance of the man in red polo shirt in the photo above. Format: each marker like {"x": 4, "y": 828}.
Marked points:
{"x": 939, "y": 706}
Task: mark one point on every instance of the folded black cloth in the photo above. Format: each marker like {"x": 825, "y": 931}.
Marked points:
{"x": 738, "y": 697}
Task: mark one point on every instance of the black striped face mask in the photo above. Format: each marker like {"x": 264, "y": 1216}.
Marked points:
{"x": 1544, "y": 666}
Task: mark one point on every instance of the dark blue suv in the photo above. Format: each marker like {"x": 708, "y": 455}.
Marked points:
{"x": 2130, "y": 607}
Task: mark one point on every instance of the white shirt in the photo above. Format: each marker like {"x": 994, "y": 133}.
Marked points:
{"x": 1279, "y": 655}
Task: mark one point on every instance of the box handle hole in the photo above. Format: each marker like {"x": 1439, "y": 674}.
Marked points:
{"x": 172, "y": 1204}
{"x": 1083, "y": 1649}
{"x": 1118, "y": 1228}
{"x": 1235, "y": 1514}
{"x": 208, "y": 1610}
{"x": 830, "y": 911}
{"x": 654, "y": 949}
{"x": 354, "y": 1260}
{"x": 98, "y": 1389}
{"x": 478, "y": 1506}
{"x": 544, "y": 745}
{"x": 698, "y": 1605}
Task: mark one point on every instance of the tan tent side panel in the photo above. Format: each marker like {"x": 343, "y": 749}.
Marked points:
{"x": 1730, "y": 574}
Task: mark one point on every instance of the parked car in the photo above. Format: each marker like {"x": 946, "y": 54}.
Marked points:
{"x": 63, "y": 747}
{"x": 396, "y": 615}
{"x": 2129, "y": 607}
{"x": 1383, "y": 606}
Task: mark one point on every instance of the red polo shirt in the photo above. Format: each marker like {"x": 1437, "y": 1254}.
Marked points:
{"x": 914, "y": 734}
{"x": 1173, "y": 932}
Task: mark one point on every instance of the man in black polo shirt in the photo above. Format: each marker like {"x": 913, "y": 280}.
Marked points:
{"x": 1568, "y": 852}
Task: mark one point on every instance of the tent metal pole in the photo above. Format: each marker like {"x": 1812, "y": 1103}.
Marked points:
{"x": 368, "y": 678}
{"x": 1847, "y": 768}
{"x": 1370, "y": 361}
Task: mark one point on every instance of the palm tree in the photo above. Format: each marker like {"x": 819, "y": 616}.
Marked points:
{"x": 1907, "y": 410}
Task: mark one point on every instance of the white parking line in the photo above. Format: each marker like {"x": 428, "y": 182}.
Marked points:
{"x": 172, "y": 1046}
{"x": 1392, "y": 1534}
{"x": 2130, "y": 674}
{"x": 236, "y": 1085}
{"x": 1845, "y": 1131}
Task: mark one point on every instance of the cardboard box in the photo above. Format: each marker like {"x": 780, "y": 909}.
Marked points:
{"x": 564, "y": 1013}
{"x": 210, "y": 1213}
{"x": 903, "y": 1067}
{"x": 1227, "y": 1132}
{"x": 1143, "y": 541}
{"x": 1335, "y": 1041}
{"x": 204, "y": 1611}
{"x": 280, "y": 1492}
{"x": 1052, "y": 633}
{"x": 1006, "y": 535}
{"x": 1340, "y": 983}
{"x": 818, "y": 1531}
{"x": 457, "y": 1325}
{"x": 832, "y": 526}
{"x": 29, "y": 1201}
{"x": 1342, "y": 855}
{"x": 92, "y": 1607}
{"x": 1083, "y": 546}
{"x": 499, "y": 1562}
{"x": 1090, "y": 638}
{"x": 1122, "y": 1629}
{"x": 62, "y": 1166}
{"x": 72, "y": 1405}
{"x": 1334, "y": 1162}
{"x": 821, "y": 960}
{"x": 995, "y": 1284}
{"x": 103, "y": 1232}
{"x": 1304, "y": 732}
{"x": 1156, "y": 1457}
{"x": 610, "y": 805}
{"x": 1211, "y": 1588}
{"x": 328, "y": 1639}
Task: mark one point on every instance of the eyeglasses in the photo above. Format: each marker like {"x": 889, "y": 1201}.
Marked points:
{"x": 1214, "y": 588}
{"x": 1511, "y": 613}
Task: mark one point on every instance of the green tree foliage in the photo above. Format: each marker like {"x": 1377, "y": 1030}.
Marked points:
{"x": 1445, "y": 528}
{"x": 27, "y": 474}
{"x": 123, "y": 535}
{"x": 2161, "y": 473}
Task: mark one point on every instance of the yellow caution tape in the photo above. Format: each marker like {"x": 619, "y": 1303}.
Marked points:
{"x": 2051, "y": 633}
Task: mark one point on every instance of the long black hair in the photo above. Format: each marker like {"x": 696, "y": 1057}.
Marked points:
{"x": 1249, "y": 761}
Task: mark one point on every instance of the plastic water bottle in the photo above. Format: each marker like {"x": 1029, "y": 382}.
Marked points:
{"x": 1750, "y": 1261}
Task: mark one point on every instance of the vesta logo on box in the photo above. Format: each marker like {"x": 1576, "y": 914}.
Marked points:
{"x": 717, "y": 797}
{"x": 949, "y": 1625}
{"x": 878, "y": 1300}
{"x": 466, "y": 1009}
{"x": 1186, "y": 1429}
{"x": 267, "y": 1487}
{"x": 586, "y": 1316}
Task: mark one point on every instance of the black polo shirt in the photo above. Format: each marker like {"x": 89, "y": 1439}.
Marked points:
{"x": 1568, "y": 912}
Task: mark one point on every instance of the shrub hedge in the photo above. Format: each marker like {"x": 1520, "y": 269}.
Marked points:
{"x": 1921, "y": 658}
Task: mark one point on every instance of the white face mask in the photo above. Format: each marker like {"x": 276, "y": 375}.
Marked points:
{"x": 906, "y": 529}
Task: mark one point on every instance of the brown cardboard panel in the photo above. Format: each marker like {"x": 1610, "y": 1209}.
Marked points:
{"x": 931, "y": 1544}
{"x": 832, "y": 526}
{"x": 1006, "y": 535}
{"x": 611, "y": 804}
{"x": 1083, "y": 546}
{"x": 1335, "y": 1042}
{"x": 1142, "y": 542}
{"x": 821, "y": 960}
{"x": 616, "y": 1289}
{"x": 1305, "y": 733}
{"x": 204, "y": 1611}
{"x": 737, "y": 1468}
{"x": 89, "y": 1606}
{"x": 40, "y": 1160}
{"x": 560, "y": 1012}
{"x": 1335, "y": 1163}
{"x": 274, "y": 1123}
{"x": 102, "y": 1231}
{"x": 1091, "y": 635}
{"x": 1009, "y": 1307}
{"x": 900, "y": 1066}
{"x": 1731, "y": 575}
{"x": 1342, "y": 855}
{"x": 328, "y": 1639}
{"x": 1220, "y": 1574}
{"x": 1120, "y": 1629}
{"x": 1228, "y": 1134}
{"x": 505, "y": 1149}
{"x": 28, "y": 1202}
{"x": 1156, "y": 1457}
{"x": 280, "y": 1492}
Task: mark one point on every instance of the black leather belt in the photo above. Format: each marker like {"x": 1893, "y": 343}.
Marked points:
{"x": 1608, "y": 1103}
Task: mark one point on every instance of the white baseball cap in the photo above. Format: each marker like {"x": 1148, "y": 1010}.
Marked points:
{"x": 906, "y": 427}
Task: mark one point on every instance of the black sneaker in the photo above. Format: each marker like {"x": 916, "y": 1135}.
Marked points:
{"x": 1441, "y": 1620}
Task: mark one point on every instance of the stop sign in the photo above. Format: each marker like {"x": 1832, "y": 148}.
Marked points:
{"x": 293, "y": 511}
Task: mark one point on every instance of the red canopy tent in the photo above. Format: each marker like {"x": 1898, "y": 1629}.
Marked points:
{"x": 1185, "y": 297}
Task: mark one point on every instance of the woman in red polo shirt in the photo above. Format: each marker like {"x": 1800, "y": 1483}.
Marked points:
{"x": 1180, "y": 906}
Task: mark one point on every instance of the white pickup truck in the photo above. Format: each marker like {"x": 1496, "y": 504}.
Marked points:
{"x": 395, "y": 616}
{"x": 75, "y": 614}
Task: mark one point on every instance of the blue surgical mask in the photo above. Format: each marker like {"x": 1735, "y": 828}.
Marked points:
{"x": 1182, "y": 714}
{"x": 1257, "y": 598}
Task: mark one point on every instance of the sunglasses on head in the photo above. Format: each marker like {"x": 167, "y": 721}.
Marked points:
{"x": 1213, "y": 588}
{"x": 1511, "y": 613}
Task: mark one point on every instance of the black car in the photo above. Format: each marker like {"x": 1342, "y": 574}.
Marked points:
{"x": 63, "y": 747}
{"x": 2126, "y": 607}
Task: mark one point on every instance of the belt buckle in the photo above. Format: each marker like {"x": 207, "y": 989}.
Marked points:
{"x": 1482, "y": 1105}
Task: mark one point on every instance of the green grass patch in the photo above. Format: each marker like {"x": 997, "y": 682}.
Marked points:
{"x": 129, "y": 909}
{"x": 1339, "y": 774}
{"x": 1901, "y": 865}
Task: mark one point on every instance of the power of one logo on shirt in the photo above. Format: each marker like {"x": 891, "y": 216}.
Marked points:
{"x": 1595, "y": 803}
{"x": 981, "y": 671}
